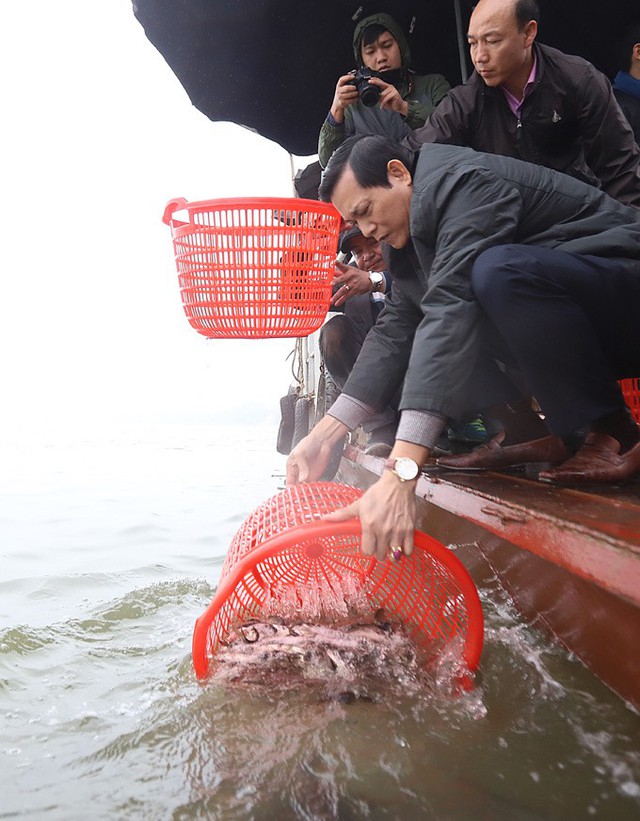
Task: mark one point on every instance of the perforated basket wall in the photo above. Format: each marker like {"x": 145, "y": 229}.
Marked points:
{"x": 296, "y": 505}
{"x": 285, "y": 563}
{"x": 254, "y": 268}
{"x": 631, "y": 393}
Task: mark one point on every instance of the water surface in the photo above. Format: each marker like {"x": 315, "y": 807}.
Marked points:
{"x": 112, "y": 546}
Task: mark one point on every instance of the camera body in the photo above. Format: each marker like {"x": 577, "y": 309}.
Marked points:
{"x": 369, "y": 93}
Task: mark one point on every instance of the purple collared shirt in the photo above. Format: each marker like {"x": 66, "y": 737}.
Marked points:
{"x": 514, "y": 103}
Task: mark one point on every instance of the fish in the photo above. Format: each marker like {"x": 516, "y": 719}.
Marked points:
{"x": 346, "y": 662}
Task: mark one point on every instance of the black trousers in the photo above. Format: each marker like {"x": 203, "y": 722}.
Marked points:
{"x": 570, "y": 324}
{"x": 341, "y": 340}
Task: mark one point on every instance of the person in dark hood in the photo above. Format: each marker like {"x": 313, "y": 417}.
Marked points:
{"x": 405, "y": 99}
{"x": 494, "y": 261}
{"x": 535, "y": 103}
{"x": 626, "y": 83}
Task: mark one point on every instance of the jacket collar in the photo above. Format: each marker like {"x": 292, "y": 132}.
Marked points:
{"x": 627, "y": 84}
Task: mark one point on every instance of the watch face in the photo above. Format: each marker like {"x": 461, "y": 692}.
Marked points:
{"x": 376, "y": 279}
{"x": 406, "y": 468}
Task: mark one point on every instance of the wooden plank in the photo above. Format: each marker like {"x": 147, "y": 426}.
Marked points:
{"x": 594, "y": 535}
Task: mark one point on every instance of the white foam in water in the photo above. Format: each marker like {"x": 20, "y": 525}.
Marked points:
{"x": 623, "y": 771}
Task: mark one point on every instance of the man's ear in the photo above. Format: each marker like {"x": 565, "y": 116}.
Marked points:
{"x": 397, "y": 172}
{"x": 530, "y": 31}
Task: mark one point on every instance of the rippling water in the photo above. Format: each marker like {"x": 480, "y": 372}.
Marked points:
{"x": 111, "y": 548}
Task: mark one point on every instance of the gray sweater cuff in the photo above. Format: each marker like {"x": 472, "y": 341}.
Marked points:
{"x": 420, "y": 427}
{"x": 351, "y": 412}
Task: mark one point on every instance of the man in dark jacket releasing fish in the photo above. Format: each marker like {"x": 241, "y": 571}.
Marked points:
{"x": 493, "y": 259}
{"x": 536, "y": 103}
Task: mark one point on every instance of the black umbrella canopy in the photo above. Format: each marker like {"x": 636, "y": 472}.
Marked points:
{"x": 272, "y": 65}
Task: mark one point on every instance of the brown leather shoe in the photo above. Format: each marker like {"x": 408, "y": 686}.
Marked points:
{"x": 493, "y": 456}
{"x": 598, "y": 460}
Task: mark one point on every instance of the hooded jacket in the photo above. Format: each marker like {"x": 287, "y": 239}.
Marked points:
{"x": 423, "y": 93}
{"x": 463, "y": 203}
{"x": 570, "y": 122}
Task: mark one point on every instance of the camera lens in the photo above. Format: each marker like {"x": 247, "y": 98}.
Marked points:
{"x": 369, "y": 94}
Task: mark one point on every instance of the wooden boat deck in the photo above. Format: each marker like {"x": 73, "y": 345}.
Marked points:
{"x": 569, "y": 557}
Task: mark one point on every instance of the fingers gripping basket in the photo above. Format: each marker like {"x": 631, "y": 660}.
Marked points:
{"x": 285, "y": 563}
{"x": 254, "y": 268}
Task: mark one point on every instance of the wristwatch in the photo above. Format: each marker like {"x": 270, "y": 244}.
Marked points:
{"x": 377, "y": 280}
{"x": 404, "y": 468}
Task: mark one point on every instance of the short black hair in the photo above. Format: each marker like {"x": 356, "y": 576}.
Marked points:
{"x": 629, "y": 38}
{"x": 368, "y": 156}
{"x": 371, "y": 34}
{"x": 526, "y": 10}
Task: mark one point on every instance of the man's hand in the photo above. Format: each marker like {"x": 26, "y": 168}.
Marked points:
{"x": 310, "y": 457}
{"x": 346, "y": 94}
{"x": 387, "y": 511}
{"x": 390, "y": 97}
{"x": 352, "y": 281}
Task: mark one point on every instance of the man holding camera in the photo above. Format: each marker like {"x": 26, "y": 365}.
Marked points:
{"x": 383, "y": 96}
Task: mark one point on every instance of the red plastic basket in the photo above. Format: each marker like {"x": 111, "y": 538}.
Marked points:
{"x": 282, "y": 563}
{"x": 254, "y": 268}
{"x": 631, "y": 393}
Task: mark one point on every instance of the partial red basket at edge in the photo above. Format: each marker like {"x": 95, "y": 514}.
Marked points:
{"x": 254, "y": 268}
{"x": 284, "y": 562}
{"x": 631, "y": 393}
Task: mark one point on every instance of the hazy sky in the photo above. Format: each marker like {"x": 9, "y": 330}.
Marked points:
{"x": 98, "y": 135}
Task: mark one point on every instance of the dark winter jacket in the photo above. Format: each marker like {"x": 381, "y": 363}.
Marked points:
{"x": 423, "y": 93}
{"x": 464, "y": 203}
{"x": 570, "y": 122}
{"x": 627, "y": 92}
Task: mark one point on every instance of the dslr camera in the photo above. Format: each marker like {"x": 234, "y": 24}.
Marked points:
{"x": 369, "y": 93}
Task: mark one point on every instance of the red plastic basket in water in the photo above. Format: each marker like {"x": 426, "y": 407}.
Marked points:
{"x": 316, "y": 572}
{"x": 254, "y": 268}
{"x": 631, "y": 393}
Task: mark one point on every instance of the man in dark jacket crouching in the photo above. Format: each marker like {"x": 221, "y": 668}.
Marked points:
{"x": 494, "y": 261}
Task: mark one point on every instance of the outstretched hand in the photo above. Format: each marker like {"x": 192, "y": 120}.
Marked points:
{"x": 310, "y": 457}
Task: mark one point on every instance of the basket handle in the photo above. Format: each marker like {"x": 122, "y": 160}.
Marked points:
{"x": 176, "y": 204}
